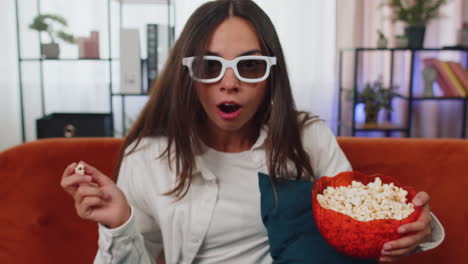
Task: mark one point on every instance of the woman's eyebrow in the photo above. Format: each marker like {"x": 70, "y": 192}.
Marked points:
{"x": 250, "y": 52}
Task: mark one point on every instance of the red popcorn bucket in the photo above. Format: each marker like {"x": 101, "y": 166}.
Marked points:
{"x": 358, "y": 239}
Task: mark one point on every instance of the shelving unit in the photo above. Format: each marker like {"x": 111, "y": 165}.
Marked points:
{"x": 352, "y": 126}
{"x": 109, "y": 57}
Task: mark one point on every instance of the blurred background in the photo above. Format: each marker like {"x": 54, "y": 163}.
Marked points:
{"x": 367, "y": 67}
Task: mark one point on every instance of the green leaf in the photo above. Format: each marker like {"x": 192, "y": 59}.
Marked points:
{"x": 44, "y": 22}
{"x": 419, "y": 14}
{"x": 376, "y": 96}
{"x": 66, "y": 37}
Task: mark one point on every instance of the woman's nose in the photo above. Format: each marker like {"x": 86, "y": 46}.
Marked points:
{"x": 229, "y": 82}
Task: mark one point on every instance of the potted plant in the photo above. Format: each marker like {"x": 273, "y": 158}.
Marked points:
{"x": 416, "y": 14}
{"x": 401, "y": 41}
{"x": 45, "y": 23}
{"x": 375, "y": 97}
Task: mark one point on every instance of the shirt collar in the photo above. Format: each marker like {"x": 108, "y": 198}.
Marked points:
{"x": 200, "y": 166}
{"x": 261, "y": 138}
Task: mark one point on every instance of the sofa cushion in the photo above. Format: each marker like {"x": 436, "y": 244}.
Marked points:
{"x": 292, "y": 232}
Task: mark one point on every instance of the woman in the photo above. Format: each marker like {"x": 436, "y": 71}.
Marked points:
{"x": 220, "y": 112}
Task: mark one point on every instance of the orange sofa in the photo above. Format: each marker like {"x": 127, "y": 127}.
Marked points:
{"x": 38, "y": 223}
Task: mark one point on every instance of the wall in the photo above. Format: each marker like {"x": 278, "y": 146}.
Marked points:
{"x": 9, "y": 102}
{"x": 465, "y": 11}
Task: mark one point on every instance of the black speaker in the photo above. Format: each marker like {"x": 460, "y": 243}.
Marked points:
{"x": 75, "y": 125}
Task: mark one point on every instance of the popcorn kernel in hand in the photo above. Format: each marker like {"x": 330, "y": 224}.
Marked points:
{"x": 80, "y": 169}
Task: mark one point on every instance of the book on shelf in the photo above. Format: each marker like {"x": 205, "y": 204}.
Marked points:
{"x": 444, "y": 77}
{"x": 130, "y": 62}
{"x": 152, "y": 51}
{"x": 460, "y": 73}
{"x": 158, "y": 45}
{"x": 453, "y": 79}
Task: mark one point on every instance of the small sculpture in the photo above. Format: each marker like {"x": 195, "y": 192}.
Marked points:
{"x": 429, "y": 76}
{"x": 382, "y": 40}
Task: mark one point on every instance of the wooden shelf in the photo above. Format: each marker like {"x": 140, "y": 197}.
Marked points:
{"x": 129, "y": 94}
{"x": 63, "y": 59}
{"x": 422, "y": 98}
{"x": 347, "y": 108}
{"x": 384, "y": 126}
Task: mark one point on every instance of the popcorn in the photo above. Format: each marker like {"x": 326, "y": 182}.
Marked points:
{"x": 367, "y": 202}
{"x": 80, "y": 169}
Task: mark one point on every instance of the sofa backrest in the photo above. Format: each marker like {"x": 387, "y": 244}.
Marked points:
{"x": 38, "y": 223}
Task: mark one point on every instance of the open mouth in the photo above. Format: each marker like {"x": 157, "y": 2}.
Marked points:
{"x": 229, "y": 107}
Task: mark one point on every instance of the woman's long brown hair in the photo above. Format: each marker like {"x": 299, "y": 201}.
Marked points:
{"x": 174, "y": 111}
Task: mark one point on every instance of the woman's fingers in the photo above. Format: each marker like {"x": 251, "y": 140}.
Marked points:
{"x": 70, "y": 170}
{"x": 416, "y": 226}
{"x": 399, "y": 252}
{"x": 423, "y": 222}
{"x": 87, "y": 206}
{"x": 98, "y": 176}
{"x": 92, "y": 193}
{"x": 404, "y": 245}
{"x": 71, "y": 180}
{"x": 404, "y": 242}
{"x": 87, "y": 190}
{"x": 421, "y": 198}
{"x": 71, "y": 183}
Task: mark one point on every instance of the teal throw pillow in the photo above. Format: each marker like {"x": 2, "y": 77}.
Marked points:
{"x": 292, "y": 232}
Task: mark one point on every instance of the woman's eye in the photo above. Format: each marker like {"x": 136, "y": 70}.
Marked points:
{"x": 211, "y": 65}
{"x": 250, "y": 64}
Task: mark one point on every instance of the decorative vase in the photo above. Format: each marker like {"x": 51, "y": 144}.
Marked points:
{"x": 89, "y": 46}
{"x": 415, "y": 35}
{"x": 372, "y": 112}
{"x": 50, "y": 51}
{"x": 401, "y": 42}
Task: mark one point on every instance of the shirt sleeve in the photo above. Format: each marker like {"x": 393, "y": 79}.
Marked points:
{"x": 326, "y": 156}
{"x": 436, "y": 237}
{"x": 139, "y": 240}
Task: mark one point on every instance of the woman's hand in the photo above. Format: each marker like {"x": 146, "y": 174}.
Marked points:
{"x": 417, "y": 232}
{"x": 96, "y": 196}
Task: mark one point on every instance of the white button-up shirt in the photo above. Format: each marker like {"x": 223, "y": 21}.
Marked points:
{"x": 181, "y": 226}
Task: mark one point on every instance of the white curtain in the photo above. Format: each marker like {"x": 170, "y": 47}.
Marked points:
{"x": 306, "y": 29}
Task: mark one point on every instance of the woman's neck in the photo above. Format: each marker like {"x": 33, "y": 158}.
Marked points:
{"x": 229, "y": 141}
